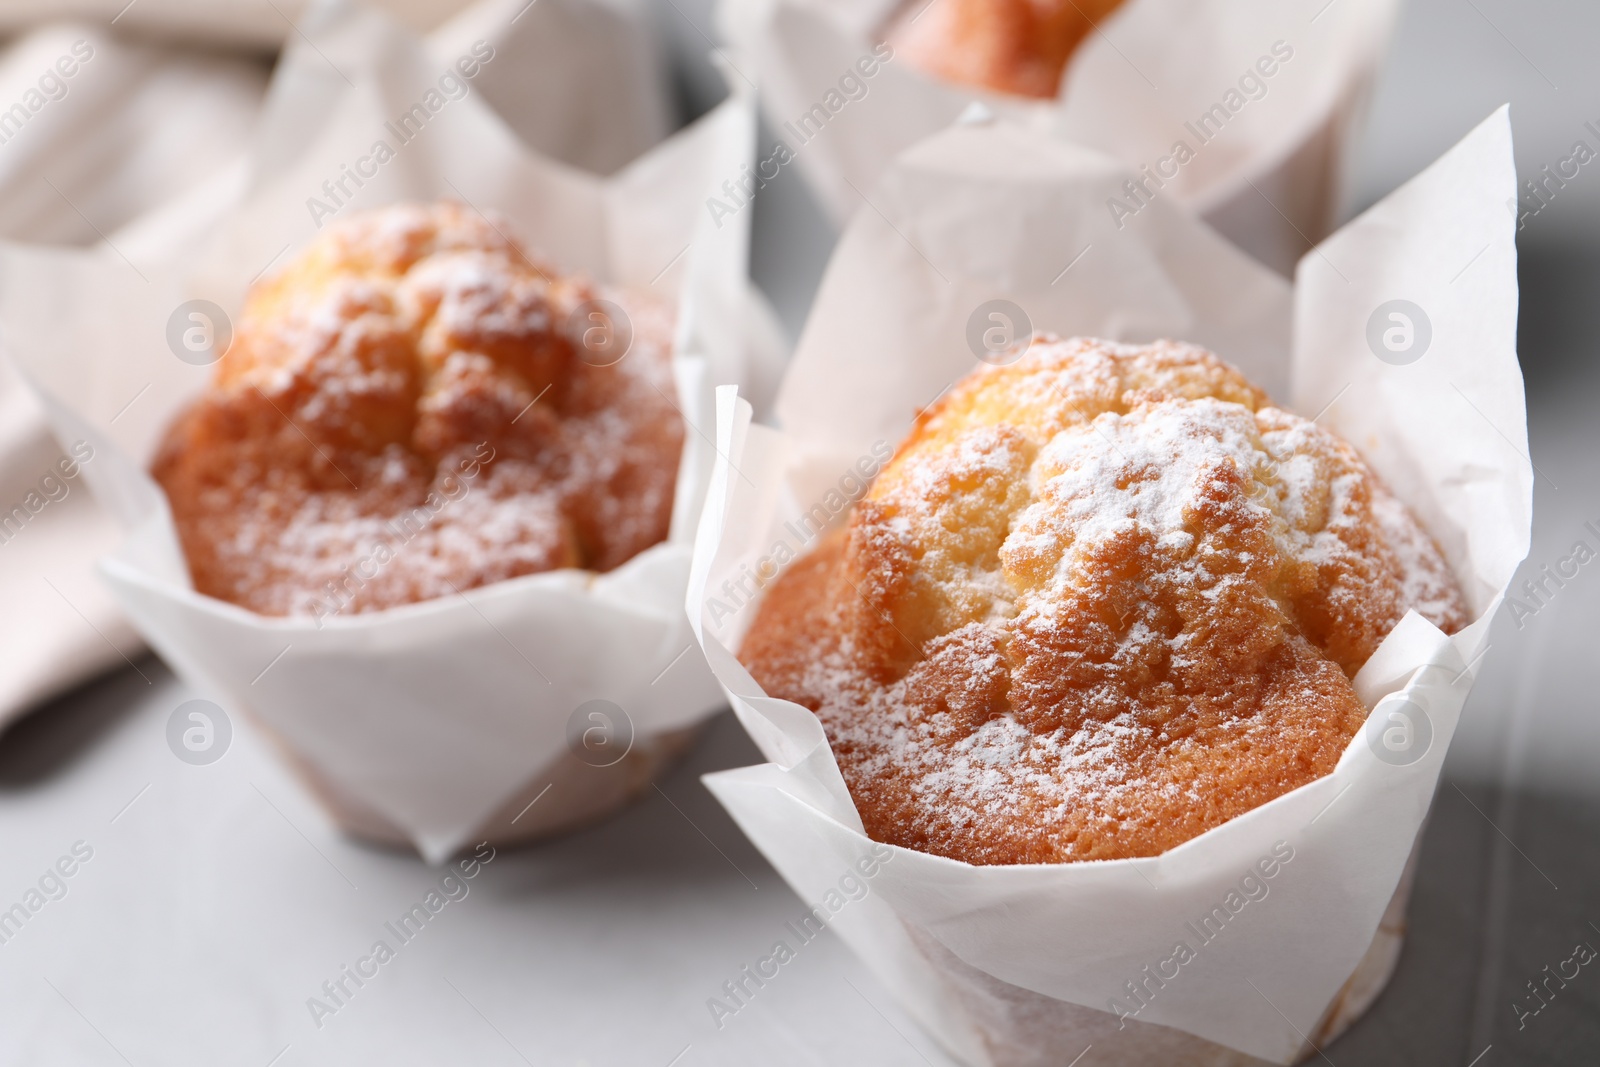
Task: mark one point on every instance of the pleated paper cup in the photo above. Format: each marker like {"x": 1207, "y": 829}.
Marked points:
{"x": 436, "y": 723}
{"x": 1014, "y": 965}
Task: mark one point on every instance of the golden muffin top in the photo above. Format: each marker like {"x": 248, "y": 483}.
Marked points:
{"x": 1010, "y": 46}
{"x": 414, "y": 386}
{"x": 1100, "y": 601}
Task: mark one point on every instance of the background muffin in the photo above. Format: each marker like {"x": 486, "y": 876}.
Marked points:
{"x": 1010, "y": 46}
{"x": 1101, "y": 601}
{"x": 409, "y": 409}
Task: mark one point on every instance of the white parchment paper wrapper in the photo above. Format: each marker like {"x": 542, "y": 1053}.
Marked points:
{"x": 586, "y": 82}
{"x": 432, "y": 715}
{"x": 1270, "y": 180}
{"x": 985, "y": 210}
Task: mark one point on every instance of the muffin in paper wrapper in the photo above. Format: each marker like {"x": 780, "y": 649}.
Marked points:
{"x": 1016, "y": 965}
{"x": 1267, "y": 169}
{"x": 437, "y": 723}
{"x": 157, "y": 102}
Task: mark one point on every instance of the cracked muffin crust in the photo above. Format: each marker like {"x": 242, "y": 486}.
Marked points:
{"x": 1100, "y": 601}
{"x": 408, "y": 410}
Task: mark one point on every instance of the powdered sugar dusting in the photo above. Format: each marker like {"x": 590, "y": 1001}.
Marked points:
{"x": 1101, "y": 600}
{"x": 404, "y": 414}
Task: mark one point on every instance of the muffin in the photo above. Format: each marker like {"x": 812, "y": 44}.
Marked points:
{"x": 1008, "y": 46}
{"x": 1100, "y": 601}
{"x": 414, "y": 407}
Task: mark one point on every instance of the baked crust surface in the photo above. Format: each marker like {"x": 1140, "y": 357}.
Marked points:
{"x": 1100, "y": 601}
{"x": 1009, "y": 46}
{"x": 408, "y": 410}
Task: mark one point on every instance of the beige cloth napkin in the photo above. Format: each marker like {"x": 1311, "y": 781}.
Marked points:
{"x": 82, "y": 155}
{"x": 236, "y": 22}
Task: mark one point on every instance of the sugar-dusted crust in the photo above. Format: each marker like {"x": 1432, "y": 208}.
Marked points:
{"x": 404, "y": 413}
{"x": 1101, "y": 600}
{"x": 1010, "y": 46}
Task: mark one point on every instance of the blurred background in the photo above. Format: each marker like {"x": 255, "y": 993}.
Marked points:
{"x": 601, "y": 947}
